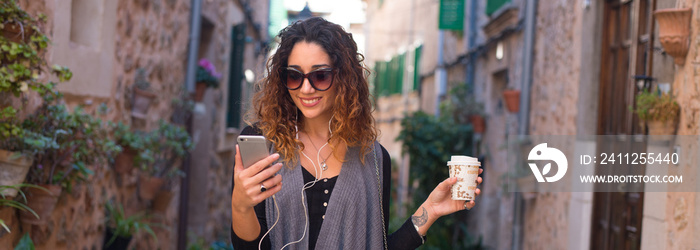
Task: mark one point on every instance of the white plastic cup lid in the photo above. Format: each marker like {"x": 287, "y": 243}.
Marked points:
{"x": 463, "y": 159}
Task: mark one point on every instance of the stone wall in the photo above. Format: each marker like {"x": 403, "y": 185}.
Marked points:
{"x": 554, "y": 97}
{"x": 393, "y": 27}
{"x": 213, "y": 203}
{"x": 150, "y": 36}
{"x": 683, "y": 209}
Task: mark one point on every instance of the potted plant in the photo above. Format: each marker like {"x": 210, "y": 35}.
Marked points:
{"x": 16, "y": 25}
{"x": 14, "y": 165}
{"x": 512, "y": 100}
{"x": 659, "y": 112}
{"x": 164, "y": 147}
{"x": 21, "y": 42}
{"x": 464, "y": 108}
{"x": 74, "y": 142}
{"x": 207, "y": 77}
{"x": 674, "y": 32}
{"x": 182, "y": 107}
{"x": 143, "y": 96}
{"x": 162, "y": 199}
{"x": 121, "y": 228}
{"x": 6, "y": 201}
{"x": 21, "y": 63}
{"x": 131, "y": 143}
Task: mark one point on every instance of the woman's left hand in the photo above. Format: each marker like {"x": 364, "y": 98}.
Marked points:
{"x": 440, "y": 200}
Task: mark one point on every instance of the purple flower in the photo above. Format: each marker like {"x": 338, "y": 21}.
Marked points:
{"x": 207, "y": 65}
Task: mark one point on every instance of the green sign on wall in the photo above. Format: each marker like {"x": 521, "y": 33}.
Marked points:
{"x": 451, "y": 15}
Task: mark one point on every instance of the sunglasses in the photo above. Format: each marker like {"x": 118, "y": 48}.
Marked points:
{"x": 320, "y": 79}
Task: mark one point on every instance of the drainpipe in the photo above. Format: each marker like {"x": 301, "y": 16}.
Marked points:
{"x": 440, "y": 73}
{"x": 471, "y": 43}
{"x": 404, "y": 168}
{"x": 524, "y": 115}
{"x": 471, "y": 60}
{"x": 195, "y": 25}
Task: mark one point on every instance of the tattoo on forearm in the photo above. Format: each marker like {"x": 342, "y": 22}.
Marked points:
{"x": 420, "y": 220}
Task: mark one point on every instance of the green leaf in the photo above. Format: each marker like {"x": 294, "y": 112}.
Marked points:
{"x": 2, "y": 223}
{"x": 25, "y": 243}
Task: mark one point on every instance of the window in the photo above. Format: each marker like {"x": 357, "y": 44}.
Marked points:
{"x": 85, "y": 22}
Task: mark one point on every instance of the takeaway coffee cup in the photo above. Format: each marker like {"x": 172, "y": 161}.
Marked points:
{"x": 466, "y": 169}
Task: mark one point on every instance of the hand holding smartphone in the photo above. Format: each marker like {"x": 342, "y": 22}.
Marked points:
{"x": 253, "y": 149}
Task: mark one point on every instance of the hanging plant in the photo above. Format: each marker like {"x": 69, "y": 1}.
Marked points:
{"x": 21, "y": 67}
{"x": 143, "y": 95}
{"x": 659, "y": 111}
{"x": 206, "y": 73}
{"x": 131, "y": 142}
{"x": 158, "y": 160}
{"x": 206, "y": 77}
{"x": 21, "y": 44}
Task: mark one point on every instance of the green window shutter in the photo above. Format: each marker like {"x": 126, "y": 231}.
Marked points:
{"x": 382, "y": 79}
{"x": 400, "y": 66}
{"x": 493, "y": 5}
{"x": 373, "y": 80}
{"x": 233, "y": 116}
{"x": 378, "y": 75}
{"x": 389, "y": 77}
{"x": 416, "y": 68}
{"x": 395, "y": 75}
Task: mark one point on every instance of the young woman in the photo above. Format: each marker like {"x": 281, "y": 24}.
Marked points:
{"x": 329, "y": 178}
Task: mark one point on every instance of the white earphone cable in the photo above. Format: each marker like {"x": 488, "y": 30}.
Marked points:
{"x": 303, "y": 196}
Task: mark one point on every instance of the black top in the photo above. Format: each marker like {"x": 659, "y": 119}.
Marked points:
{"x": 318, "y": 196}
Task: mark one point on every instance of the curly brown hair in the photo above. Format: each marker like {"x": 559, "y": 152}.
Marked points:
{"x": 274, "y": 112}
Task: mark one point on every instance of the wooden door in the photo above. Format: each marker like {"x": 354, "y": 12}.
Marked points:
{"x": 626, "y": 61}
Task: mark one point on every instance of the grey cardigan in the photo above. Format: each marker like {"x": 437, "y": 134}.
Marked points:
{"x": 354, "y": 215}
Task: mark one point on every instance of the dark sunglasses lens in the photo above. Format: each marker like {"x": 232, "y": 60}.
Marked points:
{"x": 294, "y": 79}
{"x": 322, "y": 79}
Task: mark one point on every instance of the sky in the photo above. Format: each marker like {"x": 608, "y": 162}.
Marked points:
{"x": 342, "y": 12}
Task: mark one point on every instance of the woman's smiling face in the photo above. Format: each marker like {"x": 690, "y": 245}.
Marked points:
{"x": 306, "y": 57}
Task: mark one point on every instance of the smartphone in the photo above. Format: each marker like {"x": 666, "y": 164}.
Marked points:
{"x": 253, "y": 149}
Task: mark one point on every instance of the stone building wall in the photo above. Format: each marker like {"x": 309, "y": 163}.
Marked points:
{"x": 215, "y": 201}
{"x": 554, "y": 96}
{"x": 682, "y": 209}
{"x": 393, "y": 27}
{"x": 150, "y": 36}
{"x": 670, "y": 220}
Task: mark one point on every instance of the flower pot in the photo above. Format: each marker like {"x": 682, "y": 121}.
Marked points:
{"x": 124, "y": 162}
{"x": 17, "y": 33}
{"x": 662, "y": 128}
{"x": 9, "y": 217}
{"x": 5, "y": 98}
{"x": 119, "y": 243}
{"x": 512, "y": 99}
{"x": 13, "y": 170}
{"x": 199, "y": 91}
{"x": 478, "y": 123}
{"x": 41, "y": 202}
{"x": 162, "y": 201}
{"x": 674, "y": 32}
{"x": 141, "y": 102}
{"x": 149, "y": 186}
